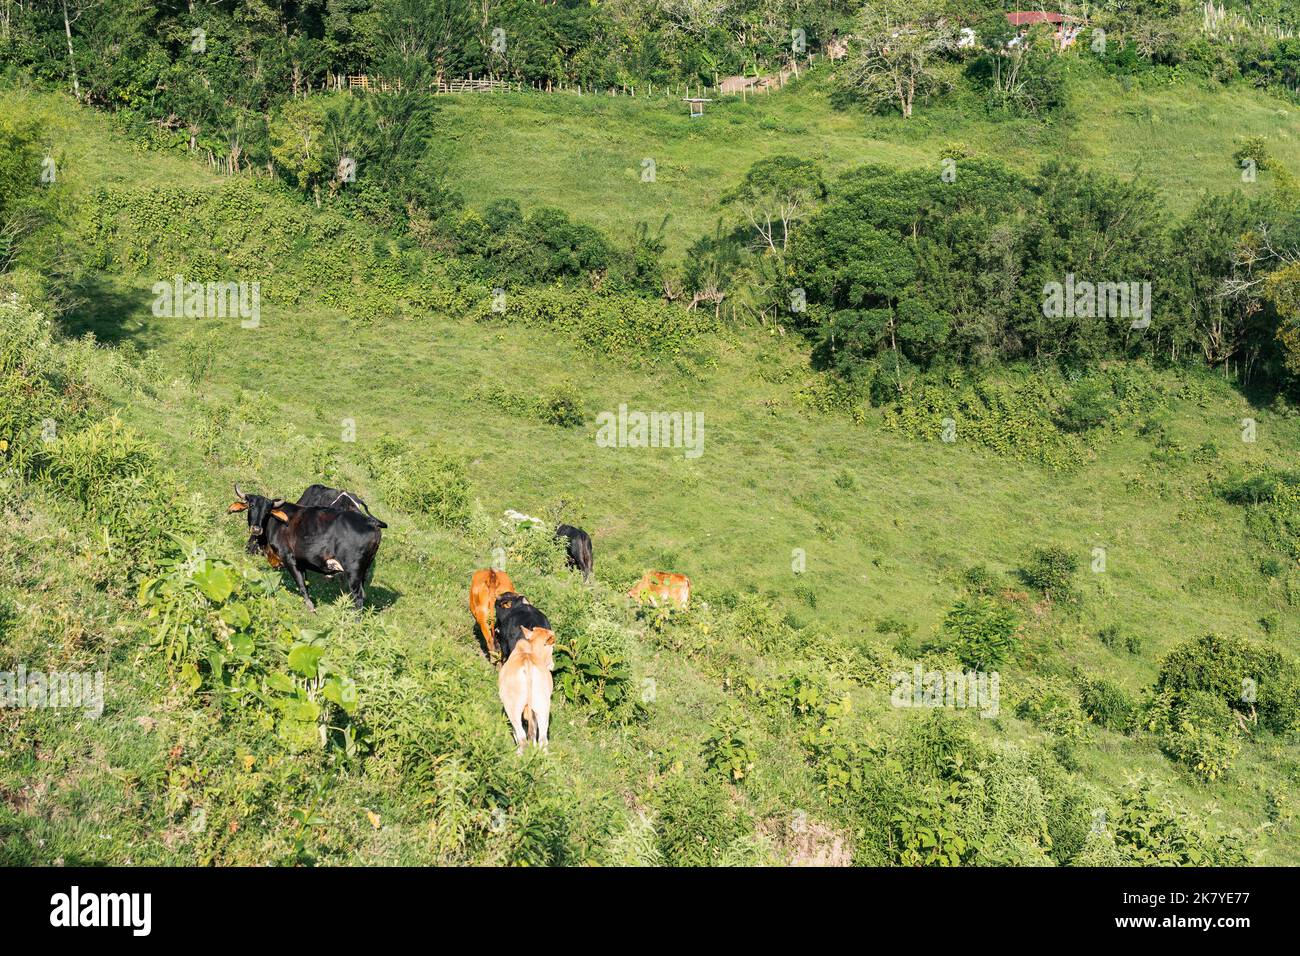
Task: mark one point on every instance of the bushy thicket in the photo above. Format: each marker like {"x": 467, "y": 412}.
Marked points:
{"x": 1249, "y": 678}
{"x": 982, "y": 632}
{"x": 600, "y": 322}
{"x": 1272, "y": 500}
{"x": 905, "y": 272}
{"x": 1106, "y": 703}
{"x": 932, "y": 793}
{"x": 427, "y": 481}
{"x": 558, "y": 403}
{"x": 53, "y": 429}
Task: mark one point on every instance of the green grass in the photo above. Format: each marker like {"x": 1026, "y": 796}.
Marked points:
{"x": 584, "y": 154}
{"x": 1179, "y": 562}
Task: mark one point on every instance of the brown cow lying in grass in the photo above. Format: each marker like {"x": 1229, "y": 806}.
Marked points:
{"x": 662, "y": 588}
{"x": 525, "y": 686}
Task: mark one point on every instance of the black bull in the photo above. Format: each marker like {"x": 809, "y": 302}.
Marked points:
{"x": 328, "y": 541}
{"x": 514, "y": 612}
{"x": 577, "y": 546}
{"x": 316, "y": 496}
{"x": 322, "y": 496}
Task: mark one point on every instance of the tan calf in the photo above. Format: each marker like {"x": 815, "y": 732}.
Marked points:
{"x": 525, "y": 685}
{"x": 661, "y": 588}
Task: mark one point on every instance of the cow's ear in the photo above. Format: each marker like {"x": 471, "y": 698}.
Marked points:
{"x": 527, "y": 632}
{"x": 236, "y": 506}
{"x": 276, "y": 512}
{"x": 550, "y": 637}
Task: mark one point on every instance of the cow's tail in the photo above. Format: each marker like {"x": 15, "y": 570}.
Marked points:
{"x": 359, "y": 503}
{"x": 378, "y": 523}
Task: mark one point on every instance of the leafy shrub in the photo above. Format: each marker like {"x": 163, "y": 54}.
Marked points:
{"x": 757, "y": 622}
{"x": 605, "y": 323}
{"x": 1106, "y": 703}
{"x": 799, "y": 691}
{"x": 1245, "y": 676}
{"x": 560, "y": 405}
{"x": 38, "y": 390}
{"x": 1008, "y": 419}
{"x": 978, "y": 579}
{"x": 835, "y": 750}
{"x": 532, "y": 546}
{"x": 1272, "y": 502}
{"x": 1255, "y": 149}
{"x": 545, "y": 246}
{"x": 727, "y": 750}
{"x": 1196, "y": 729}
{"x": 592, "y": 671}
{"x": 1032, "y": 417}
{"x": 1051, "y": 571}
{"x": 1149, "y": 831}
{"x": 219, "y": 631}
{"x": 90, "y": 465}
{"x": 927, "y": 831}
{"x": 118, "y": 478}
{"x": 1088, "y": 406}
{"x": 1054, "y": 706}
{"x": 430, "y": 482}
{"x": 982, "y": 632}
{"x": 696, "y": 822}
{"x": 935, "y": 746}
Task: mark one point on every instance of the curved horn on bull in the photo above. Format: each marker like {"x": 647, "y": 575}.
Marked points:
{"x": 239, "y": 493}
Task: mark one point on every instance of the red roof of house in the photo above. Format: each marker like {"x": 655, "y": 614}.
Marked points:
{"x": 1026, "y": 17}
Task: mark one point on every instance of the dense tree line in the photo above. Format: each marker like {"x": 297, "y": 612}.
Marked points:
{"x": 132, "y": 52}
{"x": 212, "y": 66}
{"x": 894, "y": 274}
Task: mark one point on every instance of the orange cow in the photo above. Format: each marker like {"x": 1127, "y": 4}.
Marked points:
{"x": 484, "y": 588}
{"x": 663, "y": 587}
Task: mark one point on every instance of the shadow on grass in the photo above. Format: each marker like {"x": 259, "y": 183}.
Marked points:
{"x": 325, "y": 590}
{"x": 110, "y": 311}
{"x": 477, "y": 635}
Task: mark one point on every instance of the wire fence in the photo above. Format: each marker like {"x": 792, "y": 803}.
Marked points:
{"x": 738, "y": 86}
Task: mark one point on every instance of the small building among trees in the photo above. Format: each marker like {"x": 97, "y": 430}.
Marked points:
{"x": 1067, "y": 27}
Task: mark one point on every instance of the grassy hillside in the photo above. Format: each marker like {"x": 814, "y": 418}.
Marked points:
{"x": 889, "y": 525}
{"x": 584, "y": 154}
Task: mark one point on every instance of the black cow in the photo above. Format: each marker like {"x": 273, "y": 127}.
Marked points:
{"x": 514, "y": 612}
{"x": 316, "y": 496}
{"x": 578, "y": 544}
{"x": 321, "y": 496}
{"x": 325, "y": 540}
